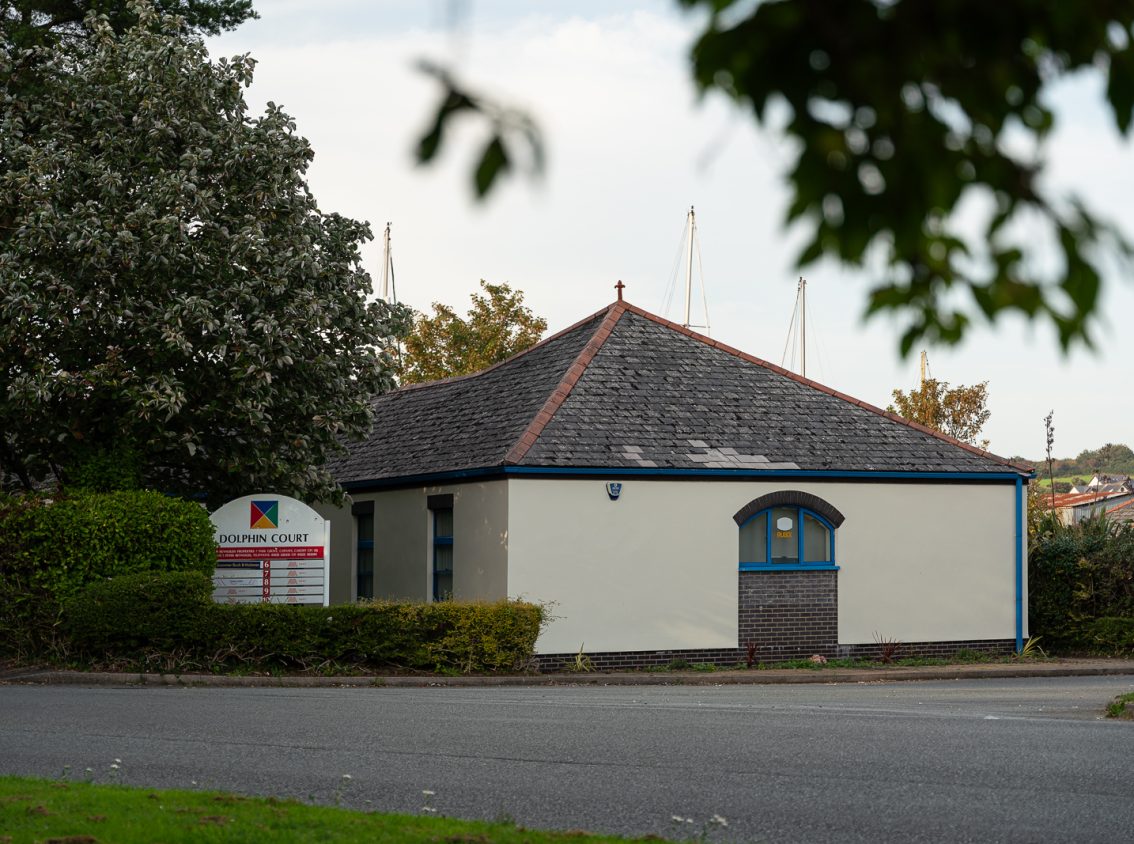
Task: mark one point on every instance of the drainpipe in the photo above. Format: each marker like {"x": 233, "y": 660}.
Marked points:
{"x": 1019, "y": 564}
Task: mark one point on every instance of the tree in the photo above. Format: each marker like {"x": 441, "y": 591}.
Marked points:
{"x": 30, "y": 23}
{"x": 168, "y": 284}
{"x": 900, "y": 109}
{"x": 959, "y": 412}
{"x": 497, "y": 327}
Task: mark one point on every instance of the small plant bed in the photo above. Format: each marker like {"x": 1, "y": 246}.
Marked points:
{"x": 1121, "y": 707}
{"x": 40, "y": 810}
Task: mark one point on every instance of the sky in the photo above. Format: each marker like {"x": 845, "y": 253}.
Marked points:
{"x": 630, "y": 147}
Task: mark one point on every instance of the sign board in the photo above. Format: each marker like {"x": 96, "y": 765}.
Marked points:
{"x": 271, "y": 549}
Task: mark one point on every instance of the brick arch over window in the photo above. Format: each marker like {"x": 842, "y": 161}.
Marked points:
{"x": 790, "y": 498}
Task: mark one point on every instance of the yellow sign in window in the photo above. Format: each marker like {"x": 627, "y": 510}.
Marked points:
{"x": 783, "y": 534}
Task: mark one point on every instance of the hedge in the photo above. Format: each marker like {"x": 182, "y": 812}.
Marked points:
{"x": 57, "y": 545}
{"x": 167, "y": 621}
{"x": 54, "y": 545}
{"x": 1081, "y": 586}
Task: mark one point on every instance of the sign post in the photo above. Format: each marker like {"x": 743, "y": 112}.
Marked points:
{"x": 271, "y": 549}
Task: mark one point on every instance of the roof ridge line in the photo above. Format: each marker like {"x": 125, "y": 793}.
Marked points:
{"x": 454, "y": 378}
{"x": 823, "y": 388}
{"x": 559, "y": 395}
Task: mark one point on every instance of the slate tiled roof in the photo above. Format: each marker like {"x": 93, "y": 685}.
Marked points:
{"x": 627, "y": 389}
{"x": 1080, "y": 499}
{"x": 1121, "y": 512}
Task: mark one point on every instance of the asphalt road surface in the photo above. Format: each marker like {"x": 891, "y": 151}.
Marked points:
{"x": 983, "y": 760}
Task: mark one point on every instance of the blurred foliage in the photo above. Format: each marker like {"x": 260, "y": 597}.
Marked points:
{"x": 443, "y": 345}
{"x": 960, "y": 412}
{"x": 902, "y": 110}
{"x": 513, "y": 135}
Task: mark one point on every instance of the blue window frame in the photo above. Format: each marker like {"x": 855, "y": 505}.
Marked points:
{"x": 364, "y": 549}
{"x": 442, "y": 553}
{"x": 786, "y": 536}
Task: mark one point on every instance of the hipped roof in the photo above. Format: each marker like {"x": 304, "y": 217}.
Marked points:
{"x": 626, "y": 389}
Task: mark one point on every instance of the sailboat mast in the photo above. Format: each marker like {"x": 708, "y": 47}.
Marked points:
{"x": 386, "y": 259}
{"x": 803, "y": 326}
{"x": 689, "y": 267}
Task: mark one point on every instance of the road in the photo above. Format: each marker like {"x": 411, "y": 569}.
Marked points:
{"x": 982, "y": 760}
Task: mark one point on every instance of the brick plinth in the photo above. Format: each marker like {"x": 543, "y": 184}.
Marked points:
{"x": 789, "y": 614}
{"x": 730, "y": 657}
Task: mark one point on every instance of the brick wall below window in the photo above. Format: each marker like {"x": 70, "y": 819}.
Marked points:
{"x": 789, "y": 614}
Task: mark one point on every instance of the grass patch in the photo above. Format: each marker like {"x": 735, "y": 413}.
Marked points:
{"x": 1120, "y": 708}
{"x": 39, "y": 810}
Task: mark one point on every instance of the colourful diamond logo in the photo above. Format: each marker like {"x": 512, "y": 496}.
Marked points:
{"x": 265, "y": 514}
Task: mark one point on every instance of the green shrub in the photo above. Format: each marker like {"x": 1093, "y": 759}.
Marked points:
{"x": 54, "y": 546}
{"x": 134, "y": 613}
{"x": 1113, "y": 635}
{"x": 167, "y": 620}
{"x": 1078, "y": 575}
{"x": 50, "y": 547}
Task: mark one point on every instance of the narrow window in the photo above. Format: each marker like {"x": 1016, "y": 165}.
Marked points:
{"x": 785, "y": 534}
{"x": 364, "y": 549}
{"x": 816, "y": 540}
{"x": 443, "y": 554}
{"x": 754, "y": 539}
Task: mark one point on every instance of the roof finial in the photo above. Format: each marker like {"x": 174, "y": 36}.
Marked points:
{"x": 619, "y": 287}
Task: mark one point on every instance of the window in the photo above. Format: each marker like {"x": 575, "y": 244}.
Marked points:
{"x": 786, "y": 536}
{"x": 441, "y": 507}
{"x": 364, "y": 549}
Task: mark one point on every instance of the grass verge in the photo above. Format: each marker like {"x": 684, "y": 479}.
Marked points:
{"x": 34, "y": 810}
{"x": 1120, "y": 707}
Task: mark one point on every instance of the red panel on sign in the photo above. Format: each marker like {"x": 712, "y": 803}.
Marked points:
{"x": 271, "y": 552}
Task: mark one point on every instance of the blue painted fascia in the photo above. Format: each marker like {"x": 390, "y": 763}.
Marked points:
{"x": 635, "y": 472}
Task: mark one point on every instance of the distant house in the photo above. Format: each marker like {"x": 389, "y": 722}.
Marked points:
{"x": 671, "y": 497}
{"x": 1106, "y": 483}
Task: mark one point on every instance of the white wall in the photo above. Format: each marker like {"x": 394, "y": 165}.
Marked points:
{"x": 480, "y": 540}
{"x": 403, "y": 543}
{"x": 657, "y": 569}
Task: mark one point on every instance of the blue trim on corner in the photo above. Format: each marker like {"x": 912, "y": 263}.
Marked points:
{"x": 630, "y": 472}
{"x": 1019, "y": 565}
{"x": 788, "y": 567}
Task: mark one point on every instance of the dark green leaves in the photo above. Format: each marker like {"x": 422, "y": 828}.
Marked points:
{"x": 168, "y": 283}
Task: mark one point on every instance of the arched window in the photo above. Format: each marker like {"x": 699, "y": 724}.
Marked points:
{"x": 787, "y": 528}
